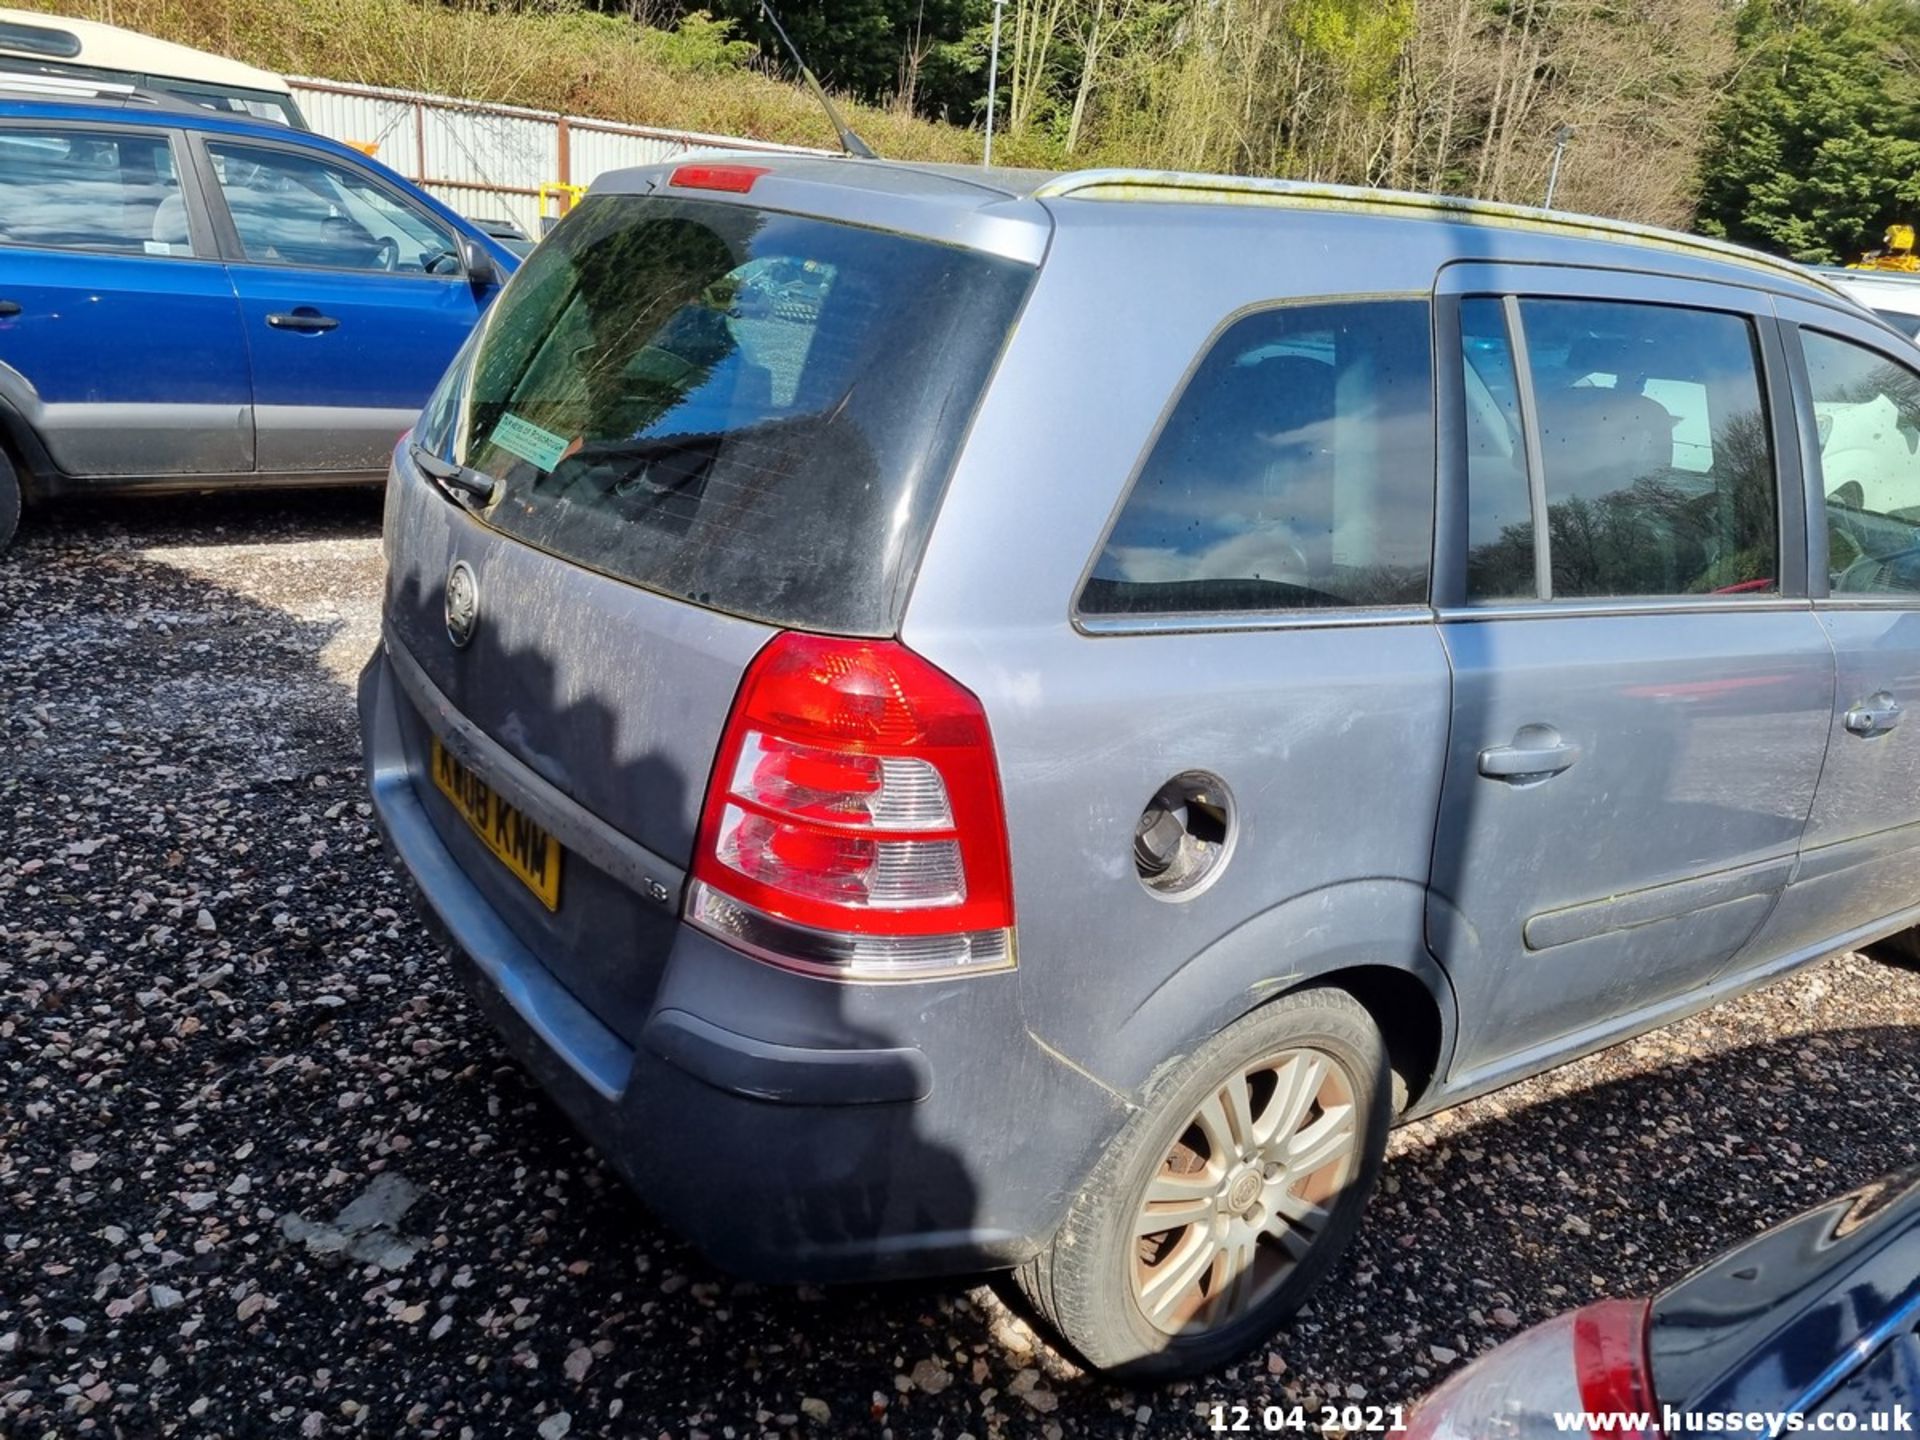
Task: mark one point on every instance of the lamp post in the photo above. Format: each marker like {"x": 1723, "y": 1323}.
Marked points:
{"x": 1560, "y": 139}
{"x": 993, "y": 81}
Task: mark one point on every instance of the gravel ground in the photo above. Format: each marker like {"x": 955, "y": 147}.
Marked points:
{"x": 266, "y": 1173}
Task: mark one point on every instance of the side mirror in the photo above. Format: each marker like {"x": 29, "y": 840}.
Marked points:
{"x": 482, "y": 273}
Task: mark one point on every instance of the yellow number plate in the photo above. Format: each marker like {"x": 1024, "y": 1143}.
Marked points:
{"x": 522, "y": 846}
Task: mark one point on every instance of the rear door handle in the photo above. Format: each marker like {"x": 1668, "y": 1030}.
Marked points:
{"x": 310, "y": 322}
{"x": 1537, "y": 753}
{"x": 1875, "y": 715}
{"x": 8, "y": 308}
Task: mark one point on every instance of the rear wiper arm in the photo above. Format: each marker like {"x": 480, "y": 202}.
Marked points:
{"x": 456, "y": 477}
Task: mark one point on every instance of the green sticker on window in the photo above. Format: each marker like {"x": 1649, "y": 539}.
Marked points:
{"x": 529, "y": 441}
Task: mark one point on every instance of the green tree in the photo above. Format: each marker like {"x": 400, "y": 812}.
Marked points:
{"x": 853, "y": 45}
{"x": 1817, "y": 146}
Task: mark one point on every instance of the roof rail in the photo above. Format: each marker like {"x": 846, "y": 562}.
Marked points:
{"x": 80, "y": 90}
{"x": 1175, "y": 185}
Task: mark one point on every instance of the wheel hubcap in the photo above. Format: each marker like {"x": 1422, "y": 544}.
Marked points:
{"x": 1245, "y": 1191}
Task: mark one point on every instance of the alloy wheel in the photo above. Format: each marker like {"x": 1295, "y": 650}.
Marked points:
{"x": 1245, "y": 1191}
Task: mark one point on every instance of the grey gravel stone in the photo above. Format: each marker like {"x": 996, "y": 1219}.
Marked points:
{"x": 177, "y": 734}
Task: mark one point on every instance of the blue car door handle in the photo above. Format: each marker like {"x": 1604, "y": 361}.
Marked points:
{"x": 306, "y": 320}
{"x": 9, "y": 307}
{"x": 1537, "y": 753}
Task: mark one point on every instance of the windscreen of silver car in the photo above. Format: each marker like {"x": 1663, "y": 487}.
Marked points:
{"x": 749, "y": 410}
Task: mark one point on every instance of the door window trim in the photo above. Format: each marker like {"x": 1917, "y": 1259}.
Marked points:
{"x": 235, "y": 253}
{"x": 200, "y": 229}
{"x": 1228, "y": 621}
{"x": 1511, "y": 282}
{"x": 1528, "y": 402}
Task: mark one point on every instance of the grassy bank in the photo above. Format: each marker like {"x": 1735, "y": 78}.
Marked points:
{"x": 558, "y": 58}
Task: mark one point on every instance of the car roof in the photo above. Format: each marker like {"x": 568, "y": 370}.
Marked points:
{"x": 111, "y": 47}
{"x": 1887, "y": 289}
{"x": 145, "y": 107}
{"x": 950, "y": 202}
{"x": 1755, "y": 1325}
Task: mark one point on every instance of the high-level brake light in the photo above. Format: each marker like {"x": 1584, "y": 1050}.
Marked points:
{"x": 733, "y": 179}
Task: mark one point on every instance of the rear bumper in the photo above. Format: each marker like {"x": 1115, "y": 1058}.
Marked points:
{"x": 793, "y": 1128}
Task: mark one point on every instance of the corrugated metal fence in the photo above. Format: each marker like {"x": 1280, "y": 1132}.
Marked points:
{"x": 492, "y": 160}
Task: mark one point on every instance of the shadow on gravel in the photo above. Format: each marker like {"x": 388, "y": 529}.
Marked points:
{"x": 1512, "y": 1217}
{"x": 217, "y": 1011}
{"x": 250, "y": 517}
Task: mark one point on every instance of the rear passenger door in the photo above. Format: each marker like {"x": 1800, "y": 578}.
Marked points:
{"x": 119, "y": 332}
{"x": 1641, "y": 692}
{"x": 1860, "y": 416}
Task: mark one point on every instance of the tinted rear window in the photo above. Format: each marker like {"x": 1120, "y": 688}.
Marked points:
{"x": 749, "y": 410}
{"x": 1296, "y": 472}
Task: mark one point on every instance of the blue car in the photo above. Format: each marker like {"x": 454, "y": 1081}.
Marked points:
{"x": 190, "y": 302}
{"x": 1809, "y": 1328}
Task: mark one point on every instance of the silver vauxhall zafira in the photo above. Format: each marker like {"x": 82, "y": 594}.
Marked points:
{"x": 963, "y": 720}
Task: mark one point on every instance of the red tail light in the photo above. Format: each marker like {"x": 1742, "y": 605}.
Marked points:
{"x": 733, "y": 179}
{"x": 1590, "y": 1363}
{"x": 854, "y": 822}
{"x": 1610, "y": 1357}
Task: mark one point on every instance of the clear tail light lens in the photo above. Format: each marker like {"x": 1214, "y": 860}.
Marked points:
{"x": 854, "y": 824}
{"x": 1590, "y": 1363}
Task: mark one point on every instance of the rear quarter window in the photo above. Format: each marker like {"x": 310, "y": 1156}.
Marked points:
{"x": 1296, "y": 471}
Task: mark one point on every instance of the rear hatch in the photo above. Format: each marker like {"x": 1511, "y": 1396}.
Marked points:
{"x": 705, "y": 420}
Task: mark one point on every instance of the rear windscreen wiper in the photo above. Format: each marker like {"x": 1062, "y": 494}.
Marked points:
{"x": 450, "y": 476}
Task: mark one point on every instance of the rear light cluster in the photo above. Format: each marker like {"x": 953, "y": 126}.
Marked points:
{"x": 854, "y": 823}
{"x": 1590, "y": 1362}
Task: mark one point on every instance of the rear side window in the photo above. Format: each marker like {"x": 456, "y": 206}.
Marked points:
{"x": 91, "y": 190}
{"x": 1295, "y": 471}
{"x": 749, "y": 410}
{"x": 1657, "y": 463}
{"x": 1867, "y": 409}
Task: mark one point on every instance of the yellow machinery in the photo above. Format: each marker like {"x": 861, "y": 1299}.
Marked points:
{"x": 1897, "y": 254}
{"x": 565, "y": 197}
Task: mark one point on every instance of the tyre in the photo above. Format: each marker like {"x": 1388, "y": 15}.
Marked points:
{"x": 1902, "y": 949}
{"x": 10, "y": 498}
{"x": 1228, "y": 1195}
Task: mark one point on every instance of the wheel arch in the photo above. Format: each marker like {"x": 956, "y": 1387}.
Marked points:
{"x": 1366, "y": 937}
{"x": 20, "y": 440}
